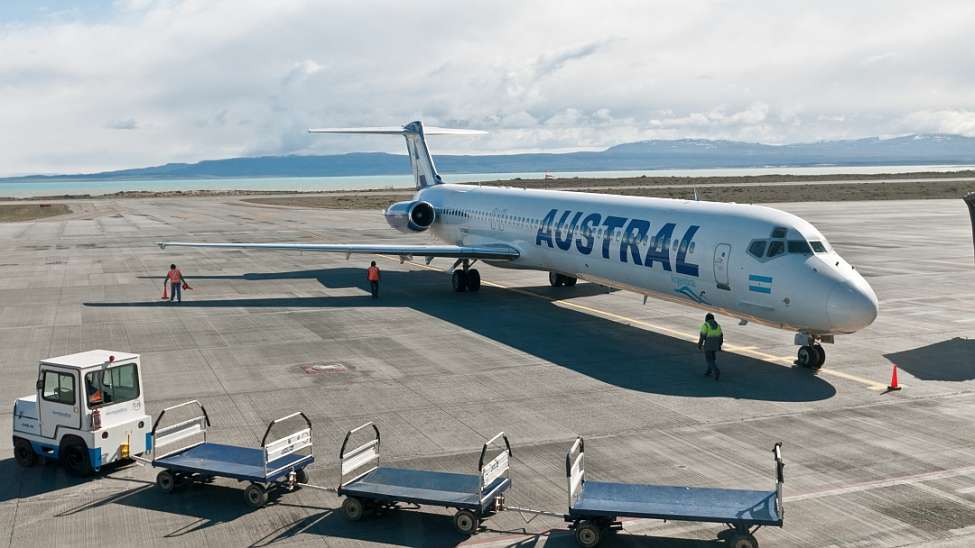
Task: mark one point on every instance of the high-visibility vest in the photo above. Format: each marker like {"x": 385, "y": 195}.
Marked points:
{"x": 709, "y": 331}
{"x": 174, "y": 276}
{"x": 373, "y": 273}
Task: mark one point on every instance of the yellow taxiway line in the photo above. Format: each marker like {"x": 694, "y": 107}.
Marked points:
{"x": 785, "y": 361}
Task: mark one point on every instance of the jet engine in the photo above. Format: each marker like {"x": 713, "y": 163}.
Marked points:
{"x": 409, "y": 217}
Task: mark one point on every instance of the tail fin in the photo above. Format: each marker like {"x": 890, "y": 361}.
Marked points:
{"x": 424, "y": 171}
{"x": 970, "y": 200}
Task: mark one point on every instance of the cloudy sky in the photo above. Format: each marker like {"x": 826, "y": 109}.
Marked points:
{"x": 100, "y": 84}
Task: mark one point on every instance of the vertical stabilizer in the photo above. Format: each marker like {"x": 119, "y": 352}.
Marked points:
{"x": 424, "y": 171}
{"x": 970, "y": 200}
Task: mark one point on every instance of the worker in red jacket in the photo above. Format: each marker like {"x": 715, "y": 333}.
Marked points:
{"x": 175, "y": 280}
{"x": 373, "y": 276}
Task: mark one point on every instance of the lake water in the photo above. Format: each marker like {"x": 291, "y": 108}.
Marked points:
{"x": 309, "y": 184}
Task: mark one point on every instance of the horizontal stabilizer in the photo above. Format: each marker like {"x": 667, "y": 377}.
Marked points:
{"x": 397, "y": 130}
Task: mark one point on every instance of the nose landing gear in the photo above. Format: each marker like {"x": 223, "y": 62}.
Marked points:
{"x": 811, "y": 354}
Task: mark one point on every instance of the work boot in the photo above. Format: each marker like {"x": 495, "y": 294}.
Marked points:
{"x": 707, "y": 373}
{"x": 717, "y": 374}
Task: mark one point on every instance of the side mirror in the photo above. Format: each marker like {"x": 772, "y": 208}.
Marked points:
{"x": 40, "y": 384}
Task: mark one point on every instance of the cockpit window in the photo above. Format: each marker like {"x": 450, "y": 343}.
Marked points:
{"x": 799, "y": 246}
{"x": 775, "y": 248}
{"x": 757, "y": 248}
{"x": 818, "y": 247}
{"x": 778, "y": 232}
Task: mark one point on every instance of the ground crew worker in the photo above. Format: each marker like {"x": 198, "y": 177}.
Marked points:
{"x": 175, "y": 279}
{"x": 373, "y": 276}
{"x": 711, "y": 341}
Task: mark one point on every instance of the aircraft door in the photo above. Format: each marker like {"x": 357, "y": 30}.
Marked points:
{"x": 722, "y": 256}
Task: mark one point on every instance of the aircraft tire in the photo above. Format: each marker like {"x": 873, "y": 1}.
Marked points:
{"x": 473, "y": 280}
{"x": 569, "y": 281}
{"x": 555, "y": 279}
{"x": 820, "y": 356}
{"x": 807, "y": 357}
{"x": 459, "y": 281}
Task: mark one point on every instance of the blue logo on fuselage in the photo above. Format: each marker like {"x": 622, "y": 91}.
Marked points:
{"x": 581, "y": 229}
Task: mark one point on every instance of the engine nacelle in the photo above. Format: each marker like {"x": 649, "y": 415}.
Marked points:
{"x": 410, "y": 216}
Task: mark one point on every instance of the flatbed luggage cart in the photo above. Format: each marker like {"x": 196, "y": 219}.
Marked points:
{"x": 594, "y": 507}
{"x": 371, "y": 487}
{"x": 276, "y": 464}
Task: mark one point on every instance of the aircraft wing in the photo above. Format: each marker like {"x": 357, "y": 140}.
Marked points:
{"x": 491, "y": 252}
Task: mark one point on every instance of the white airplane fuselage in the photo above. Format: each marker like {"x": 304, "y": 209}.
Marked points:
{"x": 691, "y": 252}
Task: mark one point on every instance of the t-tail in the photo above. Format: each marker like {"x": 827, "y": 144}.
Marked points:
{"x": 970, "y": 200}
{"x": 424, "y": 171}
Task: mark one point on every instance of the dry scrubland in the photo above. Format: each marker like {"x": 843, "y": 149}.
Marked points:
{"x": 25, "y": 212}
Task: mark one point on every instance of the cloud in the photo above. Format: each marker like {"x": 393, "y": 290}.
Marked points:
{"x": 219, "y": 78}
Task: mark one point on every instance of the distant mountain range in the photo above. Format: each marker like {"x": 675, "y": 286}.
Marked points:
{"x": 644, "y": 155}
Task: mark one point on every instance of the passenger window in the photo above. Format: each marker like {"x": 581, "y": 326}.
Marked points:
{"x": 776, "y": 248}
{"x": 58, "y": 387}
{"x": 757, "y": 248}
{"x": 778, "y": 232}
{"x": 112, "y": 385}
{"x": 818, "y": 247}
{"x": 799, "y": 246}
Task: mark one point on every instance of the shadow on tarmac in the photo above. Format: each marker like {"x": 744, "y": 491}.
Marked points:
{"x": 43, "y": 478}
{"x": 614, "y": 353}
{"x": 951, "y": 360}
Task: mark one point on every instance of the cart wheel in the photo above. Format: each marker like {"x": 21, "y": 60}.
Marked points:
{"x": 466, "y": 522}
{"x": 587, "y": 534}
{"x": 742, "y": 540}
{"x": 24, "y": 453}
{"x": 353, "y": 508}
{"x": 256, "y": 495}
{"x": 301, "y": 476}
{"x": 166, "y": 481}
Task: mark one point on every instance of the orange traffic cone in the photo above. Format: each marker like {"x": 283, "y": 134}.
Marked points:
{"x": 165, "y": 294}
{"x": 893, "y": 380}
{"x": 186, "y": 285}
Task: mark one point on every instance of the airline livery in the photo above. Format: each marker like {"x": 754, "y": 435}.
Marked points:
{"x": 751, "y": 262}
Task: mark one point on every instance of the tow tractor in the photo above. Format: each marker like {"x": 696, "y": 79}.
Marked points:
{"x": 87, "y": 412}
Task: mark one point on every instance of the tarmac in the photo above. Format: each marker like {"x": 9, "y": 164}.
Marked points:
{"x": 441, "y": 372}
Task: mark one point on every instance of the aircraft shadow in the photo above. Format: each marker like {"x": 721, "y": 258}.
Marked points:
{"x": 621, "y": 355}
{"x": 951, "y": 360}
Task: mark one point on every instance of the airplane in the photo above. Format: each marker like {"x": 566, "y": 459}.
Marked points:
{"x": 754, "y": 263}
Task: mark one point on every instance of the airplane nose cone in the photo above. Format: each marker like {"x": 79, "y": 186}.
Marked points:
{"x": 851, "y": 307}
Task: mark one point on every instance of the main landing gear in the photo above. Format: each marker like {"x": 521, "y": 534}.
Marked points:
{"x": 465, "y": 278}
{"x": 558, "y": 280}
{"x": 811, "y": 354}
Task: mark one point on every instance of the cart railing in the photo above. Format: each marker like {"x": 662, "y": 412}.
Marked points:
{"x": 779, "y": 478}
{"x": 575, "y": 469}
{"x": 361, "y": 460}
{"x": 168, "y": 435}
{"x": 496, "y": 467}
{"x": 281, "y": 447}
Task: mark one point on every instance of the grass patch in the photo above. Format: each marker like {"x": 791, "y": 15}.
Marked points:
{"x": 12, "y": 213}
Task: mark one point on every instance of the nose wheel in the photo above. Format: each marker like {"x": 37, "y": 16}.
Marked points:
{"x": 811, "y": 356}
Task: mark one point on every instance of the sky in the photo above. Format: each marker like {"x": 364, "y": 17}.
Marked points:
{"x": 101, "y": 84}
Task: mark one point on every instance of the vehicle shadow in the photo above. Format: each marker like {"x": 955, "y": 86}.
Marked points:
{"x": 615, "y": 353}
{"x": 951, "y": 360}
{"x": 394, "y": 528}
{"x": 42, "y": 479}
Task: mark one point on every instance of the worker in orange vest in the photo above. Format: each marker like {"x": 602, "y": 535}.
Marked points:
{"x": 175, "y": 279}
{"x": 373, "y": 276}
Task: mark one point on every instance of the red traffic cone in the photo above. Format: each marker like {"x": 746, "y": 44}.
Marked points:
{"x": 893, "y": 380}
{"x": 186, "y": 285}
{"x": 165, "y": 294}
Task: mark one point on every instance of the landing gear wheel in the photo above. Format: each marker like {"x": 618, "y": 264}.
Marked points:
{"x": 466, "y": 522}
{"x": 473, "y": 280}
{"x": 569, "y": 281}
{"x": 166, "y": 481}
{"x": 74, "y": 456}
{"x": 742, "y": 540}
{"x": 820, "y": 356}
{"x": 587, "y": 534}
{"x": 807, "y": 357}
{"x": 256, "y": 495}
{"x": 459, "y": 281}
{"x": 353, "y": 509}
{"x": 24, "y": 453}
{"x": 555, "y": 279}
